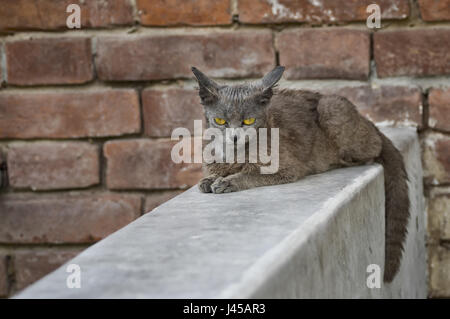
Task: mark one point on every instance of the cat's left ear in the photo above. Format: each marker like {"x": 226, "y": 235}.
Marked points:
{"x": 207, "y": 88}
{"x": 268, "y": 82}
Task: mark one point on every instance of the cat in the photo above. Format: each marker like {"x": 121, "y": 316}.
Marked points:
{"x": 316, "y": 133}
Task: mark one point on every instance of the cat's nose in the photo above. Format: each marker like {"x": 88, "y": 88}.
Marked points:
{"x": 235, "y": 139}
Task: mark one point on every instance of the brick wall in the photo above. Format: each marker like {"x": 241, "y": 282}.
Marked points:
{"x": 86, "y": 115}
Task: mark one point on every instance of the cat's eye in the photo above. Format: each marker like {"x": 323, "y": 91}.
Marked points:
{"x": 219, "y": 121}
{"x": 249, "y": 121}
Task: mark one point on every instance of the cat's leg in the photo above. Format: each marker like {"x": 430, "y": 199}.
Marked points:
{"x": 357, "y": 138}
{"x": 241, "y": 181}
{"x": 213, "y": 171}
{"x": 206, "y": 182}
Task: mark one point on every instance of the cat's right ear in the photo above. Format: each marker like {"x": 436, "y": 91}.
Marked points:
{"x": 208, "y": 89}
{"x": 271, "y": 78}
{"x": 268, "y": 82}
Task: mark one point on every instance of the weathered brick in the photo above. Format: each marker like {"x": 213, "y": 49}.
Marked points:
{"x": 436, "y": 158}
{"x": 3, "y": 276}
{"x": 51, "y": 14}
{"x": 313, "y": 53}
{"x": 390, "y": 105}
{"x": 49, "y": 61}
{"x": 316, "y": 12}
{"x": 33, "y": 264}
{"x": 146, "y": 164}
{"x": 65, "y": 218}
{"x": 153, "y": 200}
{"x": 167, "y": 109}
{"x": 439, "y": 217}
{"x": 184, "y": 12}
{"x": 2, "y": 72}
{"x": 412, "y": 52}
{"x": 439, "y": 102}
{"x": 52, "y": 165}
{"x": 439, "y": 271}
{"x": 69, "y": 114}
{"x": 3, "y": 173}
{"x": 166, "y": 56}
{"x": 434, "y": 10}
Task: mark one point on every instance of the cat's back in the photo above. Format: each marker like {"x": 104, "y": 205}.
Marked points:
{"x": 290, "y": 107}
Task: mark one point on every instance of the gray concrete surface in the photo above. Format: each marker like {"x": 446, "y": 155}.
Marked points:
{"x": 309, "y": 239}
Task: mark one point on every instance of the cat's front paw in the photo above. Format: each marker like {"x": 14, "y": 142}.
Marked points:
{"x": 223, "y": 185}
{"x": 205, "y": 184}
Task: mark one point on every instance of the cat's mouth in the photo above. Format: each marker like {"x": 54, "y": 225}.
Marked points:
{"x": 237, "y": 136}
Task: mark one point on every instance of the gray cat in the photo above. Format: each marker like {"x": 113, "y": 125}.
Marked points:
{"x": 316, "y": 133}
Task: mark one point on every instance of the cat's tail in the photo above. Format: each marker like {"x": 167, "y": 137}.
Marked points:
{"x": 396, "y": 206}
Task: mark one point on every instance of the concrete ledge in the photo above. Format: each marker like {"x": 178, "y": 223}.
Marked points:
{"x": 313, "y": 238}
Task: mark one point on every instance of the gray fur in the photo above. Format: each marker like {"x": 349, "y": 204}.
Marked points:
{"x": 317, "y": 133}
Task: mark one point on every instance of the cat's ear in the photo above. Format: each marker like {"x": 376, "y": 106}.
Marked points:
{"x": 208, "y": 89}
{"x": 268, "y": 82}
{"x": 271, "y": 78}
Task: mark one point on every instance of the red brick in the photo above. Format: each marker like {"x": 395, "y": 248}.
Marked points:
{"x": 439, "y": 272}
{"x": 65, "y": 218}
{"x": 4, "y": 286}
{"x": 438, "y": 212}
{"x": 316, "y": 12}
{"x": 436, "y": 158}
{"x": 439, "y": 102}
{"x": 154, "y": 200}
{"x": 31, "y": 265}
{"x": 313, "y": 53}
{"x": 52, "y": 165}
{"x": 3, "y": 173}
{"x": 2, "y": 72}
{"x": 167, "y": 109}
{"x": 49, "y": 61}
{"x": 184, "y": 12}
{"x": 391, "y": 105}
{"x": 28, "y": 14}
{"x": 412, "y": 52}
{"x": 434, "y": 10}
{"x": 166, "y": 56}
{"x": 69, "y": 114}
{"x": 146, "y": 164}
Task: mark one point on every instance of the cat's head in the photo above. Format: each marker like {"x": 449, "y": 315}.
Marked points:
{"x": 237, "y": 106}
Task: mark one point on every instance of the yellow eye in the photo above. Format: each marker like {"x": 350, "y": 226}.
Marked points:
{"x": 249, "y": 121}
{"x": 219, "y": 121}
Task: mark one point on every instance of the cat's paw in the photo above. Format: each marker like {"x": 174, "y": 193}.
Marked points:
{"x": 223, "y": 185}
{"x": 205, "y": 184}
